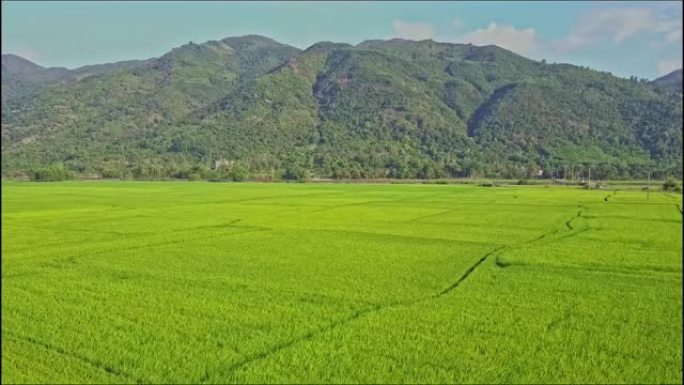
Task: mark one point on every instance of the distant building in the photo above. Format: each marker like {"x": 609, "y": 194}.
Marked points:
{"x": 222, "y": 164}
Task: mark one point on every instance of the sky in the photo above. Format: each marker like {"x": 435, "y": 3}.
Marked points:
{"x": 627, "y": 38}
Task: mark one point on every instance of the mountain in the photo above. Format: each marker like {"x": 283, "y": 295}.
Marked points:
{"x": 21, "y": 77}
{"x": 673, "y": 80}
{"x": 395, "y": 108}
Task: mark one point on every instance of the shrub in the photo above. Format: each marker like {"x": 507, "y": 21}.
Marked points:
{"x": 296, "y": 173}
{"x": 671, "y": 185}
{"x": 523, "y": 182}
{"x": 239, "y": 173}
{"x": 51, "y": 174}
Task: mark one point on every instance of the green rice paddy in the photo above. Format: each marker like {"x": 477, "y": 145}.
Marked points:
{"x": 141, "y": 282}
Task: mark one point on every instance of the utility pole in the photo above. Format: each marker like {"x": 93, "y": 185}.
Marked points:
{"x": 565, "y": 173}
{"x": 648, "y": 189}
{"x": 572, "y": 174}
{"x": 589, "y": 174}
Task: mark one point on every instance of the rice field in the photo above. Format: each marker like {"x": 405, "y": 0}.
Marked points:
{"x": 169, "y": 282}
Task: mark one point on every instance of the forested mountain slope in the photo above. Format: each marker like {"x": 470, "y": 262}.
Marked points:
{"x": 396, "y": 108}
{"x": 673, "y": 80}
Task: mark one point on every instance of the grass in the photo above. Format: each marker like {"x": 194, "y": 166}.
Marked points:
{"x": 146, "y": 282}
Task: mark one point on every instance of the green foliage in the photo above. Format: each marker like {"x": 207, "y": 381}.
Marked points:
{"x": 671, "y": 185}
{"x": 296, "y": 173}
{"x": 52, "y": 173}
{"x": 672, "y": 81}
{"x": 381, "y": 109}
{"x": 239, "y": 173}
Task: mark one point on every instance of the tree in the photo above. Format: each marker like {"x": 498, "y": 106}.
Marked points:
{"x": 52, "y": 173}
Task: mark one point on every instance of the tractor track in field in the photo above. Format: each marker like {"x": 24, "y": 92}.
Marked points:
{"x": 480, "y": 261}
{"x": 569, "y": 222}
{"x": 567, "y": 315}
{"x": 679, "y": 208}
{"x": 232, "y": 369}
{"x": 420, "y": 218}
{"x": 469, "y": 271}
{"x": 247, "y": 229}
{"x": 311, "y": 334}
{"x": 79, "y": 357}
{"x": 671, "y": 196}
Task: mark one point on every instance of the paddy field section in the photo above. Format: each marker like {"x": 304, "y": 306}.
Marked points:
{"x": 165, "y": 282}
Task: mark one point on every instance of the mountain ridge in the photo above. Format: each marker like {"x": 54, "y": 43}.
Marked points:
{"x": 672, "y": 80}
{"x": 383, "y": 108}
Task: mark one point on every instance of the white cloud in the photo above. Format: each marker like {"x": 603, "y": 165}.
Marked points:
{"x": 667, "y": 66}
{"x": 522, "y": 41}
{"x": 620, "y": 25}
{"x": 458, "y": 23}
{"x": 413, "y": 31}
{"x": 674, "y": 36}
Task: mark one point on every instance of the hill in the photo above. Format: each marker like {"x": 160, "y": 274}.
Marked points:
{"x": 21, "y": 78}
{"x": 397, "y": 108}
{"x": 673, "y": 80}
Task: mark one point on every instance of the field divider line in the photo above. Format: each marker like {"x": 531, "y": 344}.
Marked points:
{"x": 309, "y": 335}
{"x": 420, "y": 218}
{"x": 568, "y": 224}
{"x": 356, "y": 315}
{"x": 147, "y": 246}
{"x": 232, "y": 369}
{"x": 89, "y": 361}
{"x": 671, "y": 196}
{"x": 469, "y": 271}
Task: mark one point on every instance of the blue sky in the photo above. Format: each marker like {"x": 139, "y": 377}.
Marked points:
{"x": 626, "y": 38}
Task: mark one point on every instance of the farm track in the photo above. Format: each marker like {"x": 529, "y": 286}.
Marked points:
{"x": 469, "y": 271}
{"x": 284, "y": 345}
{"x": 374, "y": 309}
{"x": 679, "y": 208}
{"x": 386, "y": 235}
{"x": 248, "y": 229}
{"x": 418, "y": 219}
{"x": 547, "y": 234}
{"x": 569, "y": 222}
{"x": 86, "y": 360}
{"x": 636, "y": 271}
{"x": 334, "y": 207}
{"x": 567, "y": 315}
